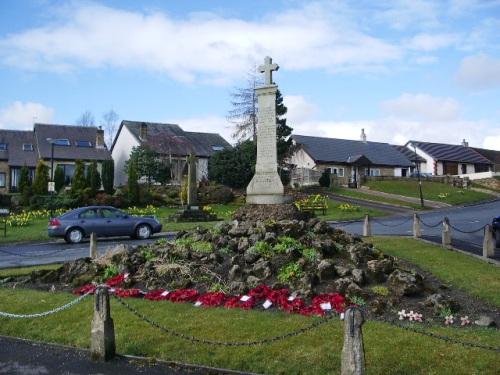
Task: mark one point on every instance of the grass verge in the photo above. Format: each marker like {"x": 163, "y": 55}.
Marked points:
{"x": 472, "y": 275}
{"x": 434, "y": 191}
{"x": 335, "y": 213}
{"x": 389, "y": 350}
{"x": 21, "y": 271}
{"x": 353, "y": 193}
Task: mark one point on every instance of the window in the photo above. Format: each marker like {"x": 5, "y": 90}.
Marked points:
{"x": 218, "y": 148}
{"x": 88, "y": 214}
{"x": 337, "y": 171}
{"x": 27, "y": 147}
{"x": 372, "y": 172}
{"x": 2, "y": 179}
{"x": 110, "y": 214}
{"x": 14, "y": 178}
{"x": 3, "y": 146}
{"x": 83, "y": 144}
{"x": 62, "y": 142}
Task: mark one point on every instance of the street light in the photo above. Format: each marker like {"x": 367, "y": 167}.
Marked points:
{"x": 52, "y": 142}
{"x": 418, "y": 175}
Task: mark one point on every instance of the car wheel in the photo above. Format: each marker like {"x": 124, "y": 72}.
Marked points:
{"x": 143, "y": 231}
{"x": 74, "y": 235}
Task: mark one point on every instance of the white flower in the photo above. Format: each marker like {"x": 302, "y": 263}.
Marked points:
{"x": 448, "y": 319}
{"x": 464, "y": 320}
{"x": 402, "y": 314}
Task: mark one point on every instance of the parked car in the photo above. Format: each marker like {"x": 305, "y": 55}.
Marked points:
{"x": 422, "y": 174}
{"x": 496, "y": 230}
{"x": 104, "y": 221}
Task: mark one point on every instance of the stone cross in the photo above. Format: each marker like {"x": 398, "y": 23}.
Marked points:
{"x": 192, "y": 182}
{"x": 268, "y": 69}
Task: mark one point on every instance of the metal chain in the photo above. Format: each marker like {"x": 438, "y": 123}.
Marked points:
{"x": 431, "y": 226}
{"x": 441, "y": 337}
{"x": 393, "y": 225}
{"x": 197, "y": 340}
{"x": 42, "y": 314}
{"x": 31, "y": 255}
{"x": 467, "y": 231}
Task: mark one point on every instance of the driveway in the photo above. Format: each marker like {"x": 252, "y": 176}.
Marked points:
{"x": 28, "y": 254}
{"x": 466, "y": 219}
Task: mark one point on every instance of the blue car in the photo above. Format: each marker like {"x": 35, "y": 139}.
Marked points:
{"x": 104, "y": 221}
{"x": 496, "y": 229}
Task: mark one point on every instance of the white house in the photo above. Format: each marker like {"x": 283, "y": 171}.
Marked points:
{"x": 444, "y": 159}
{"x": 170, "y": 142}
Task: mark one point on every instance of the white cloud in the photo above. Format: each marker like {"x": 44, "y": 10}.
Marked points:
{"x": 422, "y": 107}
{"x": 431, "y": 42}
{"x": 492, "y": 142}
{"x": 299, "y": 109}
{"x": 207, "y": 47}
{"x": 404, "y": 14}
{"x": 479, "y": 72}
{"x": 21, "y": 116}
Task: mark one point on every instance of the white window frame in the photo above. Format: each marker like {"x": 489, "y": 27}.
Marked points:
{"x": 4, "y": 182}
{"x": 27, "y": 146}
{"x": 337, "y": 171}
{"x": 375, "y": 172}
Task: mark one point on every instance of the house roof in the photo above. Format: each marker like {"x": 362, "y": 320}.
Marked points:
{"x": 171, "y": 139}
{"x": 333, "y": 150}
{"x": 455, "y": 153}
{"x": 73, "y": 133}
{"x": 491, "y": 155}
{"x": 15, "y": 155}
{"x": 410, "y": 155}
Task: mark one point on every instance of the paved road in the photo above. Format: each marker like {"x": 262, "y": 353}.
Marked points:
{"x": 466, "y": 218}
{"x": 19, "y": 357}
{"x": 16, "y": 255}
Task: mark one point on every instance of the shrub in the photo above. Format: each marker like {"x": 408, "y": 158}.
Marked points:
{"x": 263, "y": 249}
{"x": 59, "y": 178}
{"x": 287, "y": 244}
{"x": 40, "y": 184}
{"x": 79, "y": 181}
{"x": 202, "y": 247}
{"x": 108, "y": 171}
{"x": 214, "y": 193}
{"x": 324, "y": 180}
{"x": 290, "y": 272}
{"x": 310, "y": 254}
{"x": 110, "y": 271}
{"x": 380, "y": 290}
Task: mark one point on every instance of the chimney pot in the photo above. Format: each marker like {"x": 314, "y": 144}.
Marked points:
{"x": 363, "y": 135}
{"x": 143, "y": 132}
{"x": 465, "y": 143}
{"x": 99, "y": 139}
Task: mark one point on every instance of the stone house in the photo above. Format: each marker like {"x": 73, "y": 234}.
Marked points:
{"x": 445, "y": 159}
{"x": 491, "y": 155}
{"x": 349, "y": 160}
{"x": 170, "y": 141}
{"x": 71, "y": 143}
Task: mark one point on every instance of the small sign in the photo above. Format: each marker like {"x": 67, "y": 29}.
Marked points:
{"x": 341, "y": 316}
{"x": 245, "y": 298}
{"x": 198, "y": 304}
{"x": 112, "y": 290}
{"x": 292, "y": 297}
{"x": 326, "y": 306}
{"x": 267, "y": 304}
{"x": 126, "y": 276}
{"x": 52, "y": 186}
{"x": 165, "y": 293}
{"x": 4, "y": 212}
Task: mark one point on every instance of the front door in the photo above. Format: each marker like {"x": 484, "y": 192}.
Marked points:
{"x": 450, "y": 168}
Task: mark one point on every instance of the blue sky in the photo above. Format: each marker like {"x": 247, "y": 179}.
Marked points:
{"x": 407, "y": 69}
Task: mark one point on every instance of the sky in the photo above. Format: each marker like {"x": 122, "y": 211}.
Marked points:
{"x": 402, "y": 69}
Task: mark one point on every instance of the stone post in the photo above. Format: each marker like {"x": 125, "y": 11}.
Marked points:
{"x": 102, "y": 340}
{"x": 446, "y": 234}
{"x": 367, "y": 227}
{"x": 417, "y": 231}
{"x": 488, "y": 242}
{"x": 93, "y": 246}
{"x": 353, "y": 354}
{"x": 192, "y": 188}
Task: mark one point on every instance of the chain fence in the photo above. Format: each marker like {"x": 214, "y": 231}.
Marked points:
{"x": 46, "y": 313}
{"x": 197, "y": 340}
{"x": 38, "y": 255}
{"x": 431, "y": 225}
{"x": 392, "y": 225}
{"x": 468, "y": 231}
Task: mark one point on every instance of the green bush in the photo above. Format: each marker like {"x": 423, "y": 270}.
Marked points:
{"x": 202, "y": 247}
{"x": 290, "y": 272}
{"x": 324, "y": 180}
{"x": 214, "y": 193}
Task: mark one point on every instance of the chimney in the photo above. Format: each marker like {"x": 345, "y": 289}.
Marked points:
{"x": 363, "y": 135}
{"x": 143, "y": 132}
{"x": 99, "y": 138}
{"x": 465, "y": 143}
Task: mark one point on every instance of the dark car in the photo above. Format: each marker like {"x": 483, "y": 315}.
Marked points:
{"x": 104, "y": 221}
{"x": 496, "y": 230}
{"x": 422, "y": 174}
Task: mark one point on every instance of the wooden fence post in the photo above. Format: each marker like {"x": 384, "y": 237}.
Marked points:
{"x": 446, "y": 233}
{"x": 488, "y": 242}
{"x": 353, "y": 354}
{"x": 93, "y": 246}
{"x": 417, "y": 231}
{"x": 367, "y": 227}
{"x": 102, "y": 340}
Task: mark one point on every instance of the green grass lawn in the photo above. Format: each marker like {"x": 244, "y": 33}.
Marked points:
{"x": 389, "y": 350}
{"x": 21, "y": 271}
{"x": 334, "y": 213}
{"x": 355, "y": 193}
{"x": 472, "y": 275}
{"x": 431, "y": 191}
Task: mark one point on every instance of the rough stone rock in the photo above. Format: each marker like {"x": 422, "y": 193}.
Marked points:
{"x": 327, "y": 246}
{"x": 237, "y": 287}
{"x": 438, "y": 302}
{"x": 289, "y": 227}
{"x": 321, "y": 228}
{"x": 262, "y": 269}
{"x": 342, "y": 284}
{"x": 265, "y": 212}
{"x": 253, "y": 281}
{"x": 353, "y": 289}
{"x": 378, "y": 269}
{"x": 233, "y": 244}
{"x": 312, "y": 222}
{"x": 239, "y": 230}
{"x": 251, "y": 255}
{"x": 358, "y": 275}
{"x": 222, "y": 227}
{"x": 234, "y": 273}
{"x": 243, "y": 244}
{"x": 360, "y": 253}
{"x": 326, "y": 270}
{"x": 270, "y": 237}
{"x": 485, "y": 321}
{"x": 221, "y": 242}
{"x": 342, "y": 271}
{"x": 254, "y": 238}
{"x": 378, "y": 306}
{"x": 404, "y": 283}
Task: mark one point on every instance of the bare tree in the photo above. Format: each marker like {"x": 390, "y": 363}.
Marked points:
{"x": 109, "y": 123}
{"x": 86, "y": 119}
{"x": 244, "y": 108}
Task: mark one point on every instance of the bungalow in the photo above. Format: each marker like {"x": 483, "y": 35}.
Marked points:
{"x": 416, "y": 159}
{"x": 445, "y": 159}
{"x": 491, "y": 155}
{"x": 349, "y": 160}
{"x": 172, "y": 144}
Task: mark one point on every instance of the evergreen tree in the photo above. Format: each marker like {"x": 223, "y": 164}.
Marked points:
{"x": 133, "y": 185}
{"x": 108, "y": 174}
{"x": 94, "y": 178}
{"x": 40, "y": 184}
{"x": 25, "y": 185}
{"x": 59, "y": 178}
{"x": 324, "y": 180}
{"x": 283, "y": 132}
{"x": 79, "y": 182}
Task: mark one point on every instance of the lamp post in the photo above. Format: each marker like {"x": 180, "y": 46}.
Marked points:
{"x": 52, "y": 142}
{"x": 419, "y": 178}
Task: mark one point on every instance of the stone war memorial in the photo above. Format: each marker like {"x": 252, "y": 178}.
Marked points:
{"x": 266, "y": 186}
